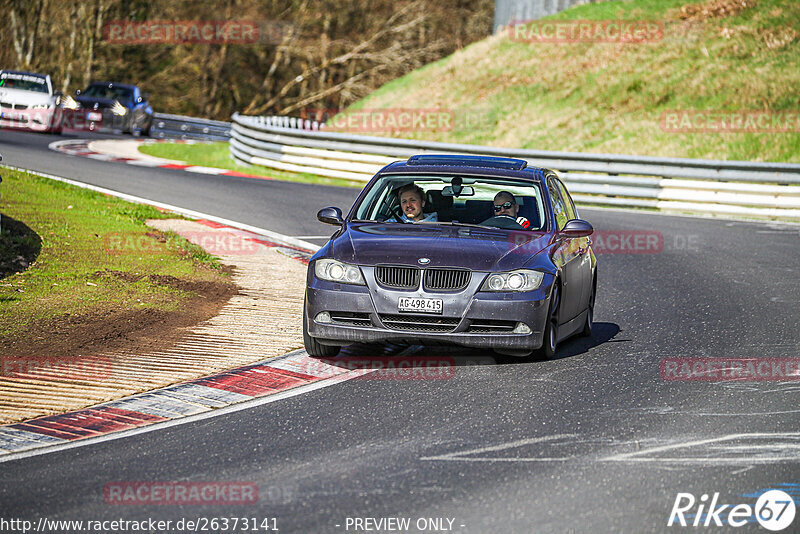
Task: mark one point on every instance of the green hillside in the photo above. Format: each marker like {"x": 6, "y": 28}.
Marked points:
{"x": 720, "y": 56}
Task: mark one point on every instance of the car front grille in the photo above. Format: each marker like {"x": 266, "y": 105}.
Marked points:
{"x": 447, "y": 279}
{"x": 397, "y": 276}
{"x": 351, "y": 318}
{"x": 420, "y": 323}
{"x": 491, "y": 326}
{"x": 402, "y": 277}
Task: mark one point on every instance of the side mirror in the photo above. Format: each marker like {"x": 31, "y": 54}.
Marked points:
{"x": 577, "y": 228}
{"x": 331, "y": 216}
{"x": 58, "y": 93}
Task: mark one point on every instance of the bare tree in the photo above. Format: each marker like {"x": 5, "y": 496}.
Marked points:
{"x": 26, "y": 20}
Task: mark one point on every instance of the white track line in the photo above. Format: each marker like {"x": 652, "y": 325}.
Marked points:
{"x": 275, "y": 236}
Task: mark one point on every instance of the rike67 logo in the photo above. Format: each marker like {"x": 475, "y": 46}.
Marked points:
{"x": 774, "y": 510}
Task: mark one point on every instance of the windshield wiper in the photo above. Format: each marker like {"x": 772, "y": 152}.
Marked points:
{"x": 452, "y": 223}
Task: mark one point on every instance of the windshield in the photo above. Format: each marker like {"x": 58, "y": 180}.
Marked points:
{"x": 23, "y": 82}
{"x": 121, "y": 94}
{"x": 457, "y": 199}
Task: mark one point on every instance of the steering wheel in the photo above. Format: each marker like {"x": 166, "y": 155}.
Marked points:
{"x": 399, "y": 214}
{"x": 503, "y": 221}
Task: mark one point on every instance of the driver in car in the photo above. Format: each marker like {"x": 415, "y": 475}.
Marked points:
{"x": 412, "y": 201}
{"x": 505, "y": 205}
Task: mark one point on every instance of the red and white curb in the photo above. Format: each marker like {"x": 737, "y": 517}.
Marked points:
{"x": 274, "y": 379}
{"x": 87, "y": 148}
{"x": 238, "y": 389}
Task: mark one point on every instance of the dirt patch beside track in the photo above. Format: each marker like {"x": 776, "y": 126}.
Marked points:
{"x": 83, "y": 360}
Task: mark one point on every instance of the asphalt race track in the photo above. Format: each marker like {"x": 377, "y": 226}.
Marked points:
{"x": 595, "y": 441}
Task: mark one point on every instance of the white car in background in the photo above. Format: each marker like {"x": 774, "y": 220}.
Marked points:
{"x": 29, "y": 101}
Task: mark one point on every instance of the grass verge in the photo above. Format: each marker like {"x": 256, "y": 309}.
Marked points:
{"x": 68, "y": 254}
{"x": 217, "y": 155}
{"x": 718, "y": 56}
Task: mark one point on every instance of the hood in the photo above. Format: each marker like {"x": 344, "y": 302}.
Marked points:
{"x": 479, "y": 249}
{"x": 91, "y": 102}
{"x": 28, "y": 98}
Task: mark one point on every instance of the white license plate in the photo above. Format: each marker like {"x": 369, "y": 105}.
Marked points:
{"x": 93, "y": 116}
{"x": 414, "y": 304}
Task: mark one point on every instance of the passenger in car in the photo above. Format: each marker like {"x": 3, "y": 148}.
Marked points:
{"x": 412, "y": 202}
{"x": 506, "y": 205}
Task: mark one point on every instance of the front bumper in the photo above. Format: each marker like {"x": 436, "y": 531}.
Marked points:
{"x": 365, "y": 314}
{"x": 104, "y": 120}
{"x": 39, "y": 119}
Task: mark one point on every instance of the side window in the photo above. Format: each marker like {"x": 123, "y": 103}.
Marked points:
{"x": 568, "y": 204}
{"x": 559, "y": 209}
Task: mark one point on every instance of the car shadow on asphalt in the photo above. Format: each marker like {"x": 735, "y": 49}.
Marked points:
{"x": 399, "y": 356}
{"x": 601, "y": 333}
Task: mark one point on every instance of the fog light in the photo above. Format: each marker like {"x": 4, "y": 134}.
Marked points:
{"x": 323, "y": 317}
{"x": 522, "y": 328}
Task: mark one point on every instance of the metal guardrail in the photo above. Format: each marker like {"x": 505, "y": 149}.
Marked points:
{"x": 181, "y": 127}
{"x": 770, "y": 190}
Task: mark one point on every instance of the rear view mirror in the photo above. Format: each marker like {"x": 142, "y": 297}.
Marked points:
{"x": 466, "y": 191}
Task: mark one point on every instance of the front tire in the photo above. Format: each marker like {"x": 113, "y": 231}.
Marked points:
{"x": 587, "y": 328}
{"x": 550, "y": 338}
{"x": 313, "y": 347}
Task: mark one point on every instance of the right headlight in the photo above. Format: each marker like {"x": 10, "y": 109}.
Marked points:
{"x": 337, "y": 271}
{"x": 519, "y": 280}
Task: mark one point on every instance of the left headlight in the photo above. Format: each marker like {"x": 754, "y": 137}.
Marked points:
{"x": 70, "y": 103}
{"x": 337, "y": 271}
{"x": 519, "y": 280}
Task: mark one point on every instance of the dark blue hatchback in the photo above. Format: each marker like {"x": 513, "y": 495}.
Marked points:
{"x": 467, "y": 250}
{"x": 112, "y": 106}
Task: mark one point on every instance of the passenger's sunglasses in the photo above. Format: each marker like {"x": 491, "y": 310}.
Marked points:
{"x": 504, "y": 206}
